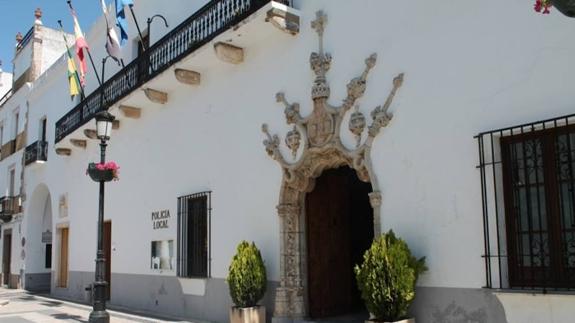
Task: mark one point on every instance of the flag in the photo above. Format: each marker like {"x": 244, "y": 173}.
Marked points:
{"x": 112, "y": 43}
{"x": 73, "y": 76}
{"x": 121, "y": 18}
{"x": 81, "y": 44}
{"x": 72, "y": 72}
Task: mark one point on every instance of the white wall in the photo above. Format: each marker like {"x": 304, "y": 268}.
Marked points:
{"x": 467, "y": 69}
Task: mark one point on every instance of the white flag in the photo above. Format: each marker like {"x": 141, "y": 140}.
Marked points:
{"x": 112, "y": 42}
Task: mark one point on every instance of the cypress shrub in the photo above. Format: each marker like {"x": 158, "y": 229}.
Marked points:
{"x": 387, "y": 278}
{"x": 247, "y": 276}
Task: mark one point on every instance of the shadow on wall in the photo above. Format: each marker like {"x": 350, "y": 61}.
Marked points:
{"x": 457, "y": 305}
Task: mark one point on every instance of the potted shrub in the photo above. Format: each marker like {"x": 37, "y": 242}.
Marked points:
{"x": 247, "y": 282}
{"x": 103, "y": 172}
{"x": 387, "y": 278}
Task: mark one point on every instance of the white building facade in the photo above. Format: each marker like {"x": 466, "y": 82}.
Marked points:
{"x": 446, "y": 122}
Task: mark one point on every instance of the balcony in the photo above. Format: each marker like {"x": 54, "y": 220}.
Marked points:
{"x": 9, "y": 205}
{"x": 36, "y": 153}
{"x": 217, "y": 21}
{"x": 5, "y": 97}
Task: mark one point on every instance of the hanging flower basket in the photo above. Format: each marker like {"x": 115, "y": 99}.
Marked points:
{"x": 103, "y": 172}
{"x": 566, "y": 7}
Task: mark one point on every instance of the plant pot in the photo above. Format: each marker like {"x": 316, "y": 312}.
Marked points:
{"x": 97, "y": 175}
{"x": 256, "y": 314}
{"x": 567, "y": 7}
{"x": 402, "y": 321}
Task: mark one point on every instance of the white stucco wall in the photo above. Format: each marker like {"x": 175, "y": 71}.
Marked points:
{"x": 467, "y": 69}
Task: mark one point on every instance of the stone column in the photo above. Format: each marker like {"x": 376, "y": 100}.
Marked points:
{"x": 375, "y": 201}
{"x": 289, "y": 301}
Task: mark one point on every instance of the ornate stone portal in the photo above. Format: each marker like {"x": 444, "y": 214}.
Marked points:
{"x": 322, "y": 149}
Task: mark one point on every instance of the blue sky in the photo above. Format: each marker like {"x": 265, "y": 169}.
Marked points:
{"x": 18, "y": 16}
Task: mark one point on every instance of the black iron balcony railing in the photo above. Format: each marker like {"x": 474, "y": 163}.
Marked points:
{"x": 9, "y": 205}
{"x": 36, "y": 152}
{"x": 204, "y": 25}
{"x": 5, "y": 97}
{"x": 26, "y": 39}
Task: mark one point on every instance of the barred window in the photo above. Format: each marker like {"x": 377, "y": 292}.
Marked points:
{"x": 528, "y": 181}
{"x": 194, "y": 235}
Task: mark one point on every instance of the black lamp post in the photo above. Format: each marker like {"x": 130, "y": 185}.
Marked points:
{"x": 104, "y": 122}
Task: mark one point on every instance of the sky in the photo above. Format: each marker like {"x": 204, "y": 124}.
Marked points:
{"x": 18, "y": 16}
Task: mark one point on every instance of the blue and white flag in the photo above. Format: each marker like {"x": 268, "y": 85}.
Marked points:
{"x": 121, "y": 21}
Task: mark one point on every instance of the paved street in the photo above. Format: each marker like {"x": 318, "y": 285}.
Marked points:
{"x": 17, "y": 306}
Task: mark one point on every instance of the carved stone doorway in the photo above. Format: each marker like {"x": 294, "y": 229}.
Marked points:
{"x": 316, "y": 146}
{"x": 339, "y": 229}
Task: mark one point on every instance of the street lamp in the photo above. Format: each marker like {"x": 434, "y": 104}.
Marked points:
{"x": 149, "y": 21}
{"x": 104, "y": 123}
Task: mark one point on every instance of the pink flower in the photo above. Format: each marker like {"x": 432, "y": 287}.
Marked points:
{"x": 542, "y": 6}
{"x": 111, "y": 165}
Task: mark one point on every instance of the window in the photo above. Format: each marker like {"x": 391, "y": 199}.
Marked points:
{"x": 16, "y": 121}
{"x": 43, "y": 124}
{"x": 528, "y": 189}
{"x": 12, "y": 184}
{"x": 194, "y": 235}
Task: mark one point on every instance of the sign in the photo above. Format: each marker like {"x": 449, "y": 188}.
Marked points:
{"x": 160, "y": 219}
{"x": 47, "y": 236}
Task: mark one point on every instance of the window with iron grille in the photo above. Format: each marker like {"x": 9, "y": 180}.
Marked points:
{"x": 194, "y": 212}
{"x": 528, "y": 190}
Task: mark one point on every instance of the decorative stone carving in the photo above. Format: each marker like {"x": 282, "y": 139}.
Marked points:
{"x": 91, "y": 133}
{"x": 63, "y": 151}
{"x": 229, "y": 53}
{"x": 130, "y": 112}
{"x": 156, "y": 96}
{"x": 357, "y": 124}
{"x": 80, "y": 143}
{"x": 283, "y": 20}
{"x": 319, "y": 133}
{"x": 293, "y": 139}
{"x": 188, "y": 77}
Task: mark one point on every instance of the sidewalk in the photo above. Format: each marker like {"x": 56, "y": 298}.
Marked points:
{"x": 19, "y": 306}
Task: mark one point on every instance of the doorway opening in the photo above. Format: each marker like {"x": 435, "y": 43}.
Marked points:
{"x": 339, "y": 229}
{"x": 6, "y": 257}
{"x": 64, "y": 234}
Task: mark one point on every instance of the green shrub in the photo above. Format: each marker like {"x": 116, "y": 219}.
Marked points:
{"x": 387, "y": 278}
{"x": 247, "y": 276}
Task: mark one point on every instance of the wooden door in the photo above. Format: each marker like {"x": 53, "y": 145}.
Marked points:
{"x": 108, "y": 255}
{"x": 63, "y": 263}
{"x": 329, "y": 263}
{"x": 339, "y": 221}
{"x": 6, "y": 257}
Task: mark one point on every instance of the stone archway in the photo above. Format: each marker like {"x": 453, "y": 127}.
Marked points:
{"x": 38, "y": 240}
{"x": 322, "y": 149}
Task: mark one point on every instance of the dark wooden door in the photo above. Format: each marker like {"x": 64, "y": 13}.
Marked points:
{"x": 339, "y": 223}
{"x": 6, "y": 257}
{"x": 63, "y": 266}
{"x": 108, "y": 255}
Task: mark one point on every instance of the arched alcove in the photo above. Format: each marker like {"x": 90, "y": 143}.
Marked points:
{"x": 38, "y": 240}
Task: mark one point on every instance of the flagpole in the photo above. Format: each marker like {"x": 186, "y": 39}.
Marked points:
{"x": 138, "y": 28}
{"x": 82, "y": 96}
{"x": 88, "y": 50}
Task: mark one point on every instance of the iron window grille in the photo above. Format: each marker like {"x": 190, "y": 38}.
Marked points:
{"x": 194, "y": 235}
{"x": 528, "y": 202}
